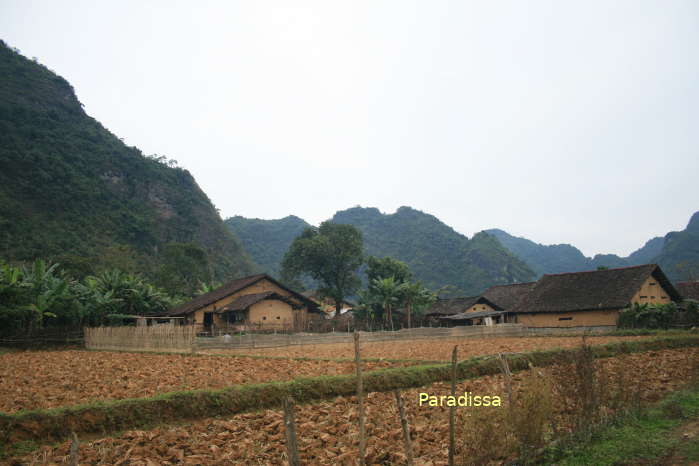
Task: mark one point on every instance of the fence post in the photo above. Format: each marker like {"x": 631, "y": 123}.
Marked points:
{"x": 452, "y": 409}
{"x": 292, "y": 448}
{"x": 360, "y": 399}
{"x": 405, "y": 427}
{"x": 74, "y": 458}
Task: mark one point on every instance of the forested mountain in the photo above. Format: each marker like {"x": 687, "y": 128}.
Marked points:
{"x": 680, "y": 253}
{"x": 436, "y": 254}
{"x": 267, "y": 240}
{"x": 72, "y": 191}
{"x": 677, "y": 253}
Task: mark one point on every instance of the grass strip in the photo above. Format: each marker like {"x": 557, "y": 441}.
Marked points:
{"x": 47, "y": 426}
{"x": 644, "y": 438}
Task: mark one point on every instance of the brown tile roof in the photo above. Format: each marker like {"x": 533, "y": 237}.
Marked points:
{"x": 593, "y": 290}
{"x": 450, "y": 306}
{"x": 507, "y": 296}
{"x": 689, "y": 290}
{"x": 228, "y": 289}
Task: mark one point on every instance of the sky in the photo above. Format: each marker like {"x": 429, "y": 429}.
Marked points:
{"x": 559, "y": 121}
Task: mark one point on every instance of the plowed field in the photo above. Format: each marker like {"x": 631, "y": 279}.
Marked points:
{"x": 431, "y": 350}
{"x": 49, "y": 379}
{"x": 327, "y": 431}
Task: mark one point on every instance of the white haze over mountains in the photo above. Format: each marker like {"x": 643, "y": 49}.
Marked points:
{"x": 560, "y": 121}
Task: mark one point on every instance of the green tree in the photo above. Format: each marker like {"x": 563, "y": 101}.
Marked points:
{"x": 330, "y": 254}
{"x": 387, "y": 267}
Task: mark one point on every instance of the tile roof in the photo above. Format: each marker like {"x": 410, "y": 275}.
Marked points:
{"x": 507, "y": 296}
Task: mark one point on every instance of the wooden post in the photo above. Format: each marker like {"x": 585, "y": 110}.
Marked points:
{"x": 360, "y": 400}
{"x": 406, "y": 428}
{"x": 74, "y": 457}
{"x": 505, "y": 367}
{"x": 292, "y": 448}
{"x": 452, "y": 409}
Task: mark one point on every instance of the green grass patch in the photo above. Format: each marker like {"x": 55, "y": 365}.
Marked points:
{"x": 644, "y": 438}
{"x": 48, "y": 426}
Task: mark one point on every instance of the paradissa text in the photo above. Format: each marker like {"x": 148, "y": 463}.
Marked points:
{"x": 465, "y": 400}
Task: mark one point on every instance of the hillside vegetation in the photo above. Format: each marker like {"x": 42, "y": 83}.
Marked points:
{"x": 267, "y": 240}
{"x": 437, "y": 255}
{"x": 71, "y": 191}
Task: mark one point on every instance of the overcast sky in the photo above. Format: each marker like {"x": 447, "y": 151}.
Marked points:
{"x": 560, "y": 121}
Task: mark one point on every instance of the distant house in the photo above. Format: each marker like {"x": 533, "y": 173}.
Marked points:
{"x": 592, "y": 298}
{"x": 451, "y": 311}
{"x": 689, "y": 290}
{"x": 254, "y": 302}
{"x": 327, "y": 305}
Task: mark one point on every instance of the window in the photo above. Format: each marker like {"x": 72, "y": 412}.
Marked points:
{"x": 664, "y": 297}
{"x": 644, "y": 297}
{"x": 565, "y": 318}
{"x": 277, "y": 317}
{"x": 264, "y": 317}
{"x": 651, "y": 284}
{"x": 652, "y": 297}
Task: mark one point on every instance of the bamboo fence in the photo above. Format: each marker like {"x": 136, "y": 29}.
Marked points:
{"x": 159, "y": 338}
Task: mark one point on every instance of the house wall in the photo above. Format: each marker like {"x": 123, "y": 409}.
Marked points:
{"x": 273, "y": 313}
{"x": 479, "y": 308}
{"x": 570, "y": 319}
{"x": 651, "y": 292}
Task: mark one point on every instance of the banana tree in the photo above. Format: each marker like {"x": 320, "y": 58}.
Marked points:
{"x": 388, "y": 294}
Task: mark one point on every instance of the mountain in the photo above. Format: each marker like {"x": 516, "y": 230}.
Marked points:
{"x": 556, "y": 258}
{"x": 679, "y": 257}
{"x": 648, "y": 253}
{"x": 267, "y": 240}
{"x": 436, "y": 254}
{"x": 677, "y": 253}
{"x": 71, "y": 190}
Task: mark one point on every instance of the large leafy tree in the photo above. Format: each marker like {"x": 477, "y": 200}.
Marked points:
{"x": 330, "y": 254}
{"x": 385, "y": 267}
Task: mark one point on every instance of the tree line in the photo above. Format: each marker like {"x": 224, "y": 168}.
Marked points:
{"x": 333, "y": 256}
{"x": 42, "y": 295}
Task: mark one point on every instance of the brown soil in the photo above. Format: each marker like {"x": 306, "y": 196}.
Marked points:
{"x": 430, "y": 350}
{"x": 49, "y": 379}
{"x": 327, "y": 431}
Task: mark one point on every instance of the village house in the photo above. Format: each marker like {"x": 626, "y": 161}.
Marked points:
{"x": 257, "y": 302}
{"x": 689, "y": 290}
{"x": 449, "y": 311}
{"x": 489, "y": 308}
{"x": 594, "y": 298}
{"x": 327, "y": 305}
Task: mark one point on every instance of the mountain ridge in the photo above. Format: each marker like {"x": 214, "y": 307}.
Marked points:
{"x": 72, "y": 191}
